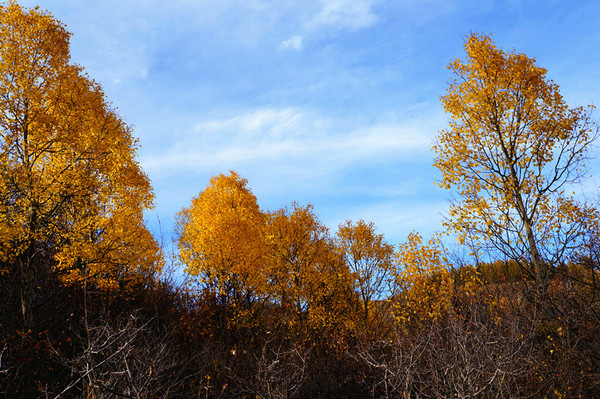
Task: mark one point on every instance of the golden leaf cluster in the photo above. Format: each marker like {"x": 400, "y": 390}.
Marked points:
{"x": 425, "y": 283}
{"x": 71, "y": 191}
{"x": 512, "y": 148}
{"x": 284, "y": 257}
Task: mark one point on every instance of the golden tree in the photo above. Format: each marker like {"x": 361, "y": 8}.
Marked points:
{"x": 425, "y": 285}
{"x": 307, "y": 276}
{"x": 71, "y": 192}
{"x": 513, "y": 150}
{"x": 221, "y": 240}
{"x": 370, "y": 259}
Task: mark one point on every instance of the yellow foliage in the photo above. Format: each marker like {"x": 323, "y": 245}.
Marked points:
{"x": 285, "y": 258}
{"x": 221, "y": 239}
{"x": 71, "y": 192}
{"x": 370, "y": 260}
{"x": 307, "y": 276}
{"x": 424, "y": 282}
{"x": 512, "y": 147}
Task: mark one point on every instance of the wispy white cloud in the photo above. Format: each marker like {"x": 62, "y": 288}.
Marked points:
{"x": 289, "y": 137}
{"x": 269, "y": 123}
{"x": 294, "y": 42}
{"x": 343, "y": 14}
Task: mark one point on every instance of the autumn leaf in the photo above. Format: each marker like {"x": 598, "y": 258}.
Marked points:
{"x": 512, "y": 148}
{"x": 221, "y": 239}
{"x": 370, "y": 260}
{"x": 72, "y": 194}
{"x": 424, "y": 283}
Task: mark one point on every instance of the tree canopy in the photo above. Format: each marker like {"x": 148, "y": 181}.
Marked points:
{"x": 513, "y": 151}
{"x": 221, "y": 239}
{"x": 71, "y": 191}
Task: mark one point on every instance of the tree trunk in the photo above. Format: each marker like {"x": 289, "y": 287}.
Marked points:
{"x": 540, "y": 268}
{"x": 27, "y": 277}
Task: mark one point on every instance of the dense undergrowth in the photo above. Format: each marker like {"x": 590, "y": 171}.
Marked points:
{"x": 498, "y": 340}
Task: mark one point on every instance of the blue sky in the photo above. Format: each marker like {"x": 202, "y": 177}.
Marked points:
{"x": 332, "y": 102}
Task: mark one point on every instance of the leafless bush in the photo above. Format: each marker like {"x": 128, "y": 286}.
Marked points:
{"x": 129, "y": 359}
{"x": 278, "y": 370}
{"x": 477, "y": 352}
{"x": 477, "y": 356}
{"x": 394, "y": 365}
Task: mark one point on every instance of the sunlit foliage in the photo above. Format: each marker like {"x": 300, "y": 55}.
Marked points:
{"x": 221, "y": 240}
{"x": 513, "y": 151}
{"x": 370, "y": 260}
{"x": 308, "y": 278}
{"x": 71, "y": 191}
{"x": 424, "y": 281}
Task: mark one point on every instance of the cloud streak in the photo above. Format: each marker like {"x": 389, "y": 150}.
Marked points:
{"x": 288, "y": 136}
{"x": 343, "y": 14}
